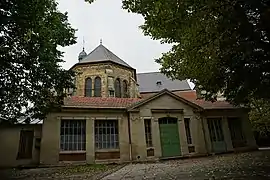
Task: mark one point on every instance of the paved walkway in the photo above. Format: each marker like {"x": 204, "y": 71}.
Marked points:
{"x": 253, "y": 165}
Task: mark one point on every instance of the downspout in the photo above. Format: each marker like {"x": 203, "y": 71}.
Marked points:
{"x": 129, "y": 137}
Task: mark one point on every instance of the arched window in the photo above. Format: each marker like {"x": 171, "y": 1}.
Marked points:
{"x": 125, "y": 89}
{"x": 88, "y": 87}
{"x": 97, "y": 88}
{"x": 117, "y": 87}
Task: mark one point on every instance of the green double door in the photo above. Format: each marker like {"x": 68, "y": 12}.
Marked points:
{"x": 169, "y": 137}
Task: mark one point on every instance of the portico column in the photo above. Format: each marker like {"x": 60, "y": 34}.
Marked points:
{"x": 90, "y": 141}
{"x": 227, "y": 134}
{"x": 156, "y": 137}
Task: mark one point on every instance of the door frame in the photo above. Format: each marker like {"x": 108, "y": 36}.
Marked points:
{"x": 176, "y": 119}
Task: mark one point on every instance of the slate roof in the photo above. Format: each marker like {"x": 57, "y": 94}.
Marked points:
{"x": 99, "y": 102}
{"x": 101, "y": 54}
{"x": 148, "y": 83}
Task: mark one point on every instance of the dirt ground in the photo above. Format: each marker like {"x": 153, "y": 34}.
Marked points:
{"x": 250, "y": 165}
{"x": 71, "y": 172}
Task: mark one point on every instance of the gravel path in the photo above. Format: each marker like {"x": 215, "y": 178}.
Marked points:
{"x": 253, "y": 165}
{"x": 248, "y": 166}
{"x": 79, "y": 172}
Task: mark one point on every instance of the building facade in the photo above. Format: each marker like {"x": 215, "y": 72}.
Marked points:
{"x": 117, "y": 115}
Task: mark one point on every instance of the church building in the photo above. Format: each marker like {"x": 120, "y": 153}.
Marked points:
{"x": 118, "y": 115}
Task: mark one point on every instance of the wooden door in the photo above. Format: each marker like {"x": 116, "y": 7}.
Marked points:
{"x": 169, "y": 137}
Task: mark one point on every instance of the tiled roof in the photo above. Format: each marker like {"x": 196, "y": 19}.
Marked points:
{"x": 214, "y": 105}
{"x": 101, "y": 54}
{"x": 156, "y": 82}
{"x": 192, "y": 97}
{"x": 99, "y": 102}
{"x": 122, "y": 103}
{"x": 189, "y": 95}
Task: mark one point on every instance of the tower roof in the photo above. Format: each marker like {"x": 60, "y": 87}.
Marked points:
{"x": 101, "y": 54}
{"x": 82, "y": 55}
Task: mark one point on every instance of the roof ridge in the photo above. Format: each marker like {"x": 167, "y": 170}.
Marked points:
{"x": 111, "y": 53}
{"x": 91, "y": 51}
{"x": 150, "y": 72}
{"x": 101, "y": 53}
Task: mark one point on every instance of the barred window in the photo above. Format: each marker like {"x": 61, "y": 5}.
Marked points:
{"x": 187, "y": 127}
{"x": 237, "y": 135}
{"x": 73, "y": 135}
{"x": 215, "y": 129}
{"x": 148, "y": 134}
{"x": 25, "y": 144}
{"x": 106, "y": 134}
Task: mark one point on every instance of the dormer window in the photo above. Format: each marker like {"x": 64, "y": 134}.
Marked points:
{"x": 159, "y": 83}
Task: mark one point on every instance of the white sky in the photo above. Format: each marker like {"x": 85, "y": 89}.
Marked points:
{"x": 118, "y": 29}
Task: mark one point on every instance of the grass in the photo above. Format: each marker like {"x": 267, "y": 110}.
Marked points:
{"x": 88, "y": 168}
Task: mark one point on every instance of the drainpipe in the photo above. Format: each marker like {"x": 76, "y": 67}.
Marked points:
{"x": 129, "y": 137}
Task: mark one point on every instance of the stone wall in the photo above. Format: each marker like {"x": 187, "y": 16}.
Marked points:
{"x": 104, "y": 70}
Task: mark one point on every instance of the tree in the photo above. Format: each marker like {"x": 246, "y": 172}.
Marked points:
{"x": 31, "y": 78}
{"x": 260, "y": 116}
{"x": 221, "y": 45}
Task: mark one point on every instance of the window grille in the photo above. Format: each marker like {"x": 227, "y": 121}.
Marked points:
{"x": 188, "y": 133}
{"x": 25, "y": 144}
{"x": 148, "y": 133}
{"x": 215, "y": 129}
{"x": 106, "y": 134}
{"x": 111, "y": 93}
{"x": 72, "y": 136}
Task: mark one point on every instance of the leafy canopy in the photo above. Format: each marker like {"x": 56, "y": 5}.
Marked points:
{"x": 31, "y": 78}
{"x": 259, "y": 116}
{"x": 221, "y": 45}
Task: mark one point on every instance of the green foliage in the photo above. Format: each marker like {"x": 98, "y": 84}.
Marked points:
{"x": 30, "y": 73}
{"x": 221, "y": 45}
{"x": 260, "y": 117}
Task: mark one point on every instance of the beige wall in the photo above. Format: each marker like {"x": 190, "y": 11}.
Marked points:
{"x": 225, "y": 114}
{"x": 103, "y": 70}
{"x": 9, "y": 145}
{"x": 50, "y": 144}
{"x": 165, "y": 102}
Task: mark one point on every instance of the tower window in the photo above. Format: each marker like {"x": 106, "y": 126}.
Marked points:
{"x": 97, "y": 90}
{"x": 88, "y": 87}
{"x": 117, "y": 88}
{"x": 125, "y": 89}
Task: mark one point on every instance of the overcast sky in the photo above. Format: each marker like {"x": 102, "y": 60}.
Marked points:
{"x": 118, "y": 29}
